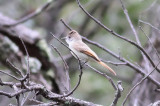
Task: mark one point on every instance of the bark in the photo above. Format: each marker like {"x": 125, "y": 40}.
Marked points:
{"x": 36, "y": 49}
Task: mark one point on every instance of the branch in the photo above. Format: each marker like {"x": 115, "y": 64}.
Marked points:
{"x": 118, "y": 88}
{"x": 28, "y": 67}
{"x": 130, "y": 22}
{"x": 32, "y": 15}
{"x": 24, "y": 99}
{"x": 131, "y": 65}
{"x": 86, "y": 20}
{"x": 67, "y": 26}
{"x": 80, "y": 67}
{"x": 10, "y": 75}
{"x": 48, "y": 95}
{"x": 150, "y": 25}
{"x": 114, "y": 63}
{"x": 65, "y": 64}
{"x": 138, "y": 84}
{"x": 150, "y": 43}
{"x": 17, "y": 70}
{"x": 10, "y": 84}
{"x": 118, "y": 93}
{"x": 117, "y": 35}
{"x": 103, "y": 74}
{"x": 133, "y": 29}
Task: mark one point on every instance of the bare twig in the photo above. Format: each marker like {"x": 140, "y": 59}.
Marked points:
{"x": 28, "y": 67}
{"x": 117, "y": 35}
{"x": 80, "y": 67}
{"x": 150, "y": 43}
{"x": 118, "y": 93}
{"x": 10, "y": 75}
{"x": 131, "y": 65}
{"x": 150, "y": 25}
{"x": 67, "y": 26}
{"x": 48, "y": 95}
{"x": 10, "y": 84}
{"x": 34, "y": 100}
{"x": 133, "y": 29}
{"x": 17, "y": 70}
{"x": 25, "y": 99}
{"x": 130, "y": 22}
{"x": 86, "y": 20}
{"x": 65, "y": 64}
{"x": 103, "y": 74}
{"x": 114, "y": 63}
{"x": 42, "y": 103}
{"x": 78, "y": 83}
{"x": 32, "y": 15}
{"x": 138, "y": 84}
{"x": 118, "y": 88}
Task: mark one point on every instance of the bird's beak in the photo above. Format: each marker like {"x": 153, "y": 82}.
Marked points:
{"x": 64, "y": 38}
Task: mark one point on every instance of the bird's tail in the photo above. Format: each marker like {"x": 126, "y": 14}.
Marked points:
{"x": 106, "y": 66}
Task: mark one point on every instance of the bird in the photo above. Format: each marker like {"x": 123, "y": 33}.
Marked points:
{"x": 82, "y": 50}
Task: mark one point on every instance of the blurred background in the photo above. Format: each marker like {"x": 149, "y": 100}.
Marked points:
{"x": 94, "y": 87}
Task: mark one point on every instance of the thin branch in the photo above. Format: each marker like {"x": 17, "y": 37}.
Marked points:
{"x": 17, "y": 70}
{"x": 118, "y": 93}
{"x": 130, "y": 23}
{"x": 118, "y": 88}
{"x": 65, "y": 66}
{"x": 150, "y": 25}
{"x": 114, "y": 63}
{"x": 48, "y": 95}
{"x": 133, "y": 29}
{"x": 78, "y": 83}
{"x": 119, "y": 36}
{"x": 87, "y": 20}
{"x": 42, "y": 103}
{"x": 67, "y": 26}
{"x": 10, "y": 84}
{"x": 10, "y": 95}
{"x": 131, "y": 65}
{"x": 103, "y": 74}
{"x": 10, "y": 75}
{"x": 24, "y": 99}
{"x": 34, "y": 100}
{"x": 32, "y": 15}
{"x": 28, "y": 67}
{"x": 138, "y": 84}
{"x": 80, "y": 67}
{"x": 150, "y": 43}
{"x": 64, "y": 62}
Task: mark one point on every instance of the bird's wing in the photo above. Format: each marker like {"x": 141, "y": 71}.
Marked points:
{"x": 83, "y": 48}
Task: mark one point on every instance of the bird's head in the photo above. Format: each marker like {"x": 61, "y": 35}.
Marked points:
{"x": 73, "y": 36}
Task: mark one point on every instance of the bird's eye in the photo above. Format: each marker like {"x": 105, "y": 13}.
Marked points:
{"x": 69, "y": 37}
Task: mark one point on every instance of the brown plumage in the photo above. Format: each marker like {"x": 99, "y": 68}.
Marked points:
{"x": 82, "y": 50}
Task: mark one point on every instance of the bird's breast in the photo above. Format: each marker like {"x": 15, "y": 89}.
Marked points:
{"x": 80, "y": 55}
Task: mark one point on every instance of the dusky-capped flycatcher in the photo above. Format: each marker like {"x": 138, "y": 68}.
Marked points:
{"x": 83, "y": 52}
